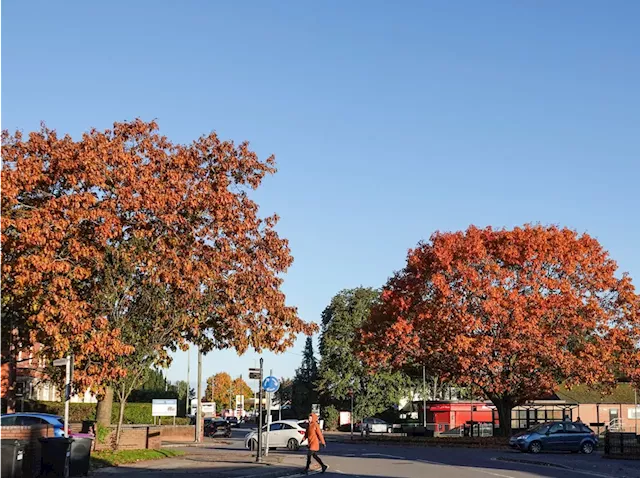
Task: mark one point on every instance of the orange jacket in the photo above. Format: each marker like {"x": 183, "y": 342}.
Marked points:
{"x": 314, "y": 434}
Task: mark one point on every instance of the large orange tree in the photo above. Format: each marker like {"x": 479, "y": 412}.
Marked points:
{"x": 511, "y": 312}
{"x": 123, "y": 244}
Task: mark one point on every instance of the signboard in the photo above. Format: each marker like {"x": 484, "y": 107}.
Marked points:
{"x": 208, "y": 408}
{"x": 254, "y": 373}
{"x": 239, "y": 403}
{"x": 271, "y": 384}
{"x": 315, "y": 408}
{"x": 164, "y": 407}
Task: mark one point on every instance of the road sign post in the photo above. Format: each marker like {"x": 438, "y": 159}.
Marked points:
{"x": 259, "y": 452}
{"x": 66, "y": 363}
{"x": 270, "y": 384}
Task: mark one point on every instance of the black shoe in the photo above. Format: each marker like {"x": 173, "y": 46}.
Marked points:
{"x": 306, "y": 471}
{"x": 324, "y": 468}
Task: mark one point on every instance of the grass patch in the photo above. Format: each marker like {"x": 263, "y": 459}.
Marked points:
{"x": 100, "y": 459}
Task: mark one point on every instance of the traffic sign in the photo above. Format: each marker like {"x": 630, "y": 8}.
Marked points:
{"x": 254, "y": 374}
{"x": 271, "y": 384}
{"x": 60, "y": 362}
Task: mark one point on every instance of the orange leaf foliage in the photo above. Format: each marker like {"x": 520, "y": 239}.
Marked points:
{"x": 178, "y": 215}
{"x": 514, "y": 312}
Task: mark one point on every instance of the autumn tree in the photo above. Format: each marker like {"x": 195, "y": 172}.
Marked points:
{"x": 222, "y": 390}
{"x": 341, "y": 369}
{"x": 96, "y": 229}
{"x": 510, "y": 312}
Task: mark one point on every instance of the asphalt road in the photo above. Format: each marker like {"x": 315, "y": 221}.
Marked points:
{"x": 378, "y": 460}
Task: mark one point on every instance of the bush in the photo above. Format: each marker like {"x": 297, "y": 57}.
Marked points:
{"x": 331, "y": 418}
{"x": 134, "y": 413}
{"x": 77, "y": 411}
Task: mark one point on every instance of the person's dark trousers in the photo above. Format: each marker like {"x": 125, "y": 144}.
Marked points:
{"x": 315, "y": 456}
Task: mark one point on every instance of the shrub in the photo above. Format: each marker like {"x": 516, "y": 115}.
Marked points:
{"x": 77, "y": 411}
{"x": 134, "y": 413}
{"x": 331, "y": 417}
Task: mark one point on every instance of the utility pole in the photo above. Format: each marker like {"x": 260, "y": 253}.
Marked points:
{"x": 352, "y": 419}
{"x": 424, "y": 399}
{"x": 188, "y": 385}
{"x": 199, "y": 398}
{"x": 637, "y": 415}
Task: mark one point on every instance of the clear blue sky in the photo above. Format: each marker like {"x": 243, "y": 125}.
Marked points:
{"x": 389, "y": 120}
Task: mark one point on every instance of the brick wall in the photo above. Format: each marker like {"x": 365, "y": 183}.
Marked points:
{"x": 179, "y": 433}
{"x": 133, "y": 438}
{"x": 33, "y": 448}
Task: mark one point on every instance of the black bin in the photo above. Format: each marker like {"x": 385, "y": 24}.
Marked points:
{"x": 55, "y": 456}
{"x": 80, "y": 456}
{"x": 12, "y": 458}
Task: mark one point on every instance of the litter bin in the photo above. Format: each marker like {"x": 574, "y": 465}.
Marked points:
{"x": 55, "y": 456}
{"x": 80, "y": 455}
{"x": 12, "y": 458}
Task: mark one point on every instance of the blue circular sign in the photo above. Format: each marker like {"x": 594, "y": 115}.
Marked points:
{"x": 271, "y": 384}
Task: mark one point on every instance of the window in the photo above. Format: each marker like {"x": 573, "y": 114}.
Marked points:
{"x": 573, "y": 428}
{"x": 286, "y": 426}
{"x": 633, "y": 413}
{"x": 28, "y": 421}
{"x": 275, "y": 427}
{"x": 556, "y": 428}
{"x": 8, "y": 421}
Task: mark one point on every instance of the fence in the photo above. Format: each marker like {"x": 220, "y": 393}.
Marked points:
{"x": 622, "y": 445}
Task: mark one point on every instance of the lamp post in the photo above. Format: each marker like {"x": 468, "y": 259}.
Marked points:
{"x": 424, "y": 399}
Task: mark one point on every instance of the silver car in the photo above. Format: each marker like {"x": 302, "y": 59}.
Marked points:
{"x": 375, "y": 425}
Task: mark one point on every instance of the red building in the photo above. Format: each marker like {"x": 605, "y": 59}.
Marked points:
{"x": 448, "y": 415}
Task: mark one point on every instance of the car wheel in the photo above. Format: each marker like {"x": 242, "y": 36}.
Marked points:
{"x": 587, "y": 448}
{"x": 253, "y": 445}
{"x": 535, "y": 447}
{"x": 293, "y": 444}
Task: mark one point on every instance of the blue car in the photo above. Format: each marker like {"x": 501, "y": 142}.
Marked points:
{"x": 556, "y": 436}
{"x": 26, "y": 419}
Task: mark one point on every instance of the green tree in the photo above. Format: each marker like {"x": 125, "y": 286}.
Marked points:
{"x": 341, "y": 370}
{"x": 304, "y": 388}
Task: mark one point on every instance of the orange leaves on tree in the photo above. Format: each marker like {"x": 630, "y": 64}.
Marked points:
{"x": 514, "y": 312}
{"x": 178, "y": 217}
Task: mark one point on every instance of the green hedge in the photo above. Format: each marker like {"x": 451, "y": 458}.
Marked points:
{"x": 134, "y": 413}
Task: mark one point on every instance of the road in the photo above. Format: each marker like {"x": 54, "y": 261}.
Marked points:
{"x": 377, "y": 460}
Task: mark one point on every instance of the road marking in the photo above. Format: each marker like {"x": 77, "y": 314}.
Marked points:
{"x": 463, "y": 467}
{"x": 382, "y": 455}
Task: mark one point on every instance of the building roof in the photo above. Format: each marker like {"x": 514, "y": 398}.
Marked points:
{"x": 622, "y": 393}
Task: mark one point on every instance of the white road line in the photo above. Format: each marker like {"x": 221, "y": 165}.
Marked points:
{"x": 465, "y": 468}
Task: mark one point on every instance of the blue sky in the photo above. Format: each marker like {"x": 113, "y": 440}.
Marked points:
{"x": 389, "y": 120}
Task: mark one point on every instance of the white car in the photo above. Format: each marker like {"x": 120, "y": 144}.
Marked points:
{"x": 375, "y": 425}
{"x": 282, "y": 434}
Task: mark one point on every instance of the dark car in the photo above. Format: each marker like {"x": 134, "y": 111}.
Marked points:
{"x": 233, "y": 421}
{"x": 216, "y": 427}
{"x": 556, "y": 436}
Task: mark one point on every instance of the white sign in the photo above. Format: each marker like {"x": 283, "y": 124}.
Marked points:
{"x": 208, "y": 408}
{"x": 239, "y": 403}
{"x": 164, "y": 407}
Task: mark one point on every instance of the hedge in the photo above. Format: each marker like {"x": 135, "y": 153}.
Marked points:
{"x": 134, "y": 413}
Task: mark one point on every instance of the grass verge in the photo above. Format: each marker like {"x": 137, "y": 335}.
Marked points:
{"x": 101, "y": 459}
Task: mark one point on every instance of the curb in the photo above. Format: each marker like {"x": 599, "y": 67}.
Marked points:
{"x": 558, "y": 466}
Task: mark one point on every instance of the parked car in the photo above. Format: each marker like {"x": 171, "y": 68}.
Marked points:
{"x": 25, "y": 419}
{"x": 282, "y": 434}
{"x": 233, "y": 421}
{"x": 216, "y": 427}
{"x": 556, "y": 436}
{"x": 375, "y": 425}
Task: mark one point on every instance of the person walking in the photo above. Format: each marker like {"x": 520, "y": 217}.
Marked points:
{"x": 315, "y": 439}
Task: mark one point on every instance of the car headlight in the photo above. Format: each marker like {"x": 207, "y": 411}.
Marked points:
{"x": 523, "y": 437}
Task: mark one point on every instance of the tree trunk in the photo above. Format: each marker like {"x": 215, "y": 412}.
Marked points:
{"x": 120, "y": 420}
{"x": 12, "y": 382}
{"x": 504, "y": 407}
{"x": 105, "y": 407}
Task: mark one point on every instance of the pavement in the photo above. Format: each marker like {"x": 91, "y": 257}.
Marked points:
{"x": 228, "y": 458}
